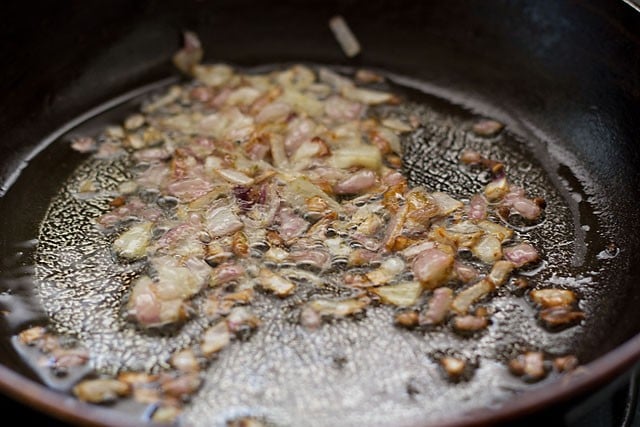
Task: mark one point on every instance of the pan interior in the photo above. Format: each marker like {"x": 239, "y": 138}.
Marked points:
{"x": 349, "y": 372}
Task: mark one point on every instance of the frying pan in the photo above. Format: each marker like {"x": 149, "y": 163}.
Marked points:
{"x": 565, "y": 74}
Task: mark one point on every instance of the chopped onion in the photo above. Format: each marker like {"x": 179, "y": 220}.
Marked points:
{"x": 133, "y": 243}
{"x": 439, "y": 305}
{"x": 273, "y": 112}
{"x": 397, "y": 124}
{"x": 191, "y": 53}
{"x": 345, "y": 37}
{"x": 366, "y": 156}
{"x": 222, "y": 221}
{"x": 488, "y": 249}
{"x": 496, "y": 189}
{"x": 496, "y": 230}
{"x": 366, "y": 96}
{"x": 215, "y": 339}
{"x": 235, "y": 177}
{"x": 100, "y": 390}
{"x": 338, "y": 308}
{"x": 213, "y": 75}
{"x": 500, "y": 272}
{"x": 468, "y": 296}
{"x": 402, "y": 294}
{"x": 389, "y": 269}
{"x": 275, "y": 283}
{"x": 446, "y": 203}
{"x": 521, "y": 254}
{"x": 432, "y": 267}
{"x": 357, "y": 183}
{"x": 553, "y": 297}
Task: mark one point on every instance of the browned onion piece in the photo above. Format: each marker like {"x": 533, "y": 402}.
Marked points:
{"x": 470, "y": 295}
{"x": 453, "y": 366}
{"x": 553, "y": 297}
{"x": 555, "y": 317}
{"x": 530, "y": 365}
{"x": 469, "y": 323}
{"x": 487, "y": 127}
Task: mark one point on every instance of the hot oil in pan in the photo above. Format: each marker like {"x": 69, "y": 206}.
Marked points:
{"x": 348, "y": 372}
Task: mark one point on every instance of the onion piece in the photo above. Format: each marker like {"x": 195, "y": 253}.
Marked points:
{"x": 560, "y": 316}
{"x": 403, "y": 294}
{"x": 498, "y": 231}
{"x": 191, "y": 53}
{"x": 397, "y": 124}
{"x": 366, "y": 156}
{"x": 345, "y": 37}
{"x": 222, "y": 221}
{"x": 275, "y": 283}
{"x": 273, "y": 113}
{"x": 390, "y": 137}
{"x": 470, "y": 295}
{"x": 487, "y": 127}
{"x": 189, "y": 189}
{"x": 432, "y": 267}
{"x": 333, "y": 79}
{"x": 477, "y": 207}
{"x": 338, "y": 308}
{"x": 446, "y": 203}
{"x": 356, "y": 183}
{"x": 368, "y": 76}
{"x": 214, "y": 75}
{"x": 453, "y": 366}
{"x": 553, "y": 297}
{"x": 500, "y": 272}
{"x": 299, "y": 189}
{"x": 488, "y": 249}
{"x": 101, "y": 390}
{"x": 389, "y": 269}
{"x": 215, "y": 339}
{"x": 521, "y": 254}
{"x": 366, "y": 96}
{"x": 417, "y": 248}
{"x": 529, "y": 364}
{"x": 528, "y": 209}
{"x": 407, "y": 319}
{"x": 235, "y": 177}
{"x": 439, "y": 306}
{"x": 143, "y": 303}
{"x": 338, "y": 108}
{"x": 468, "y": 323}
{"x": 241, "y": 320}
{"x": 243, "y": 96}
{"x": 185, "y": 361}
{"x": 465, "y": 272}
{"x": 133, "y": 243}
{"x": 174, "y": 281}
{"x": 496, "y": 189}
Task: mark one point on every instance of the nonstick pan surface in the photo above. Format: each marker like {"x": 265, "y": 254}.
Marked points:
{"x": 564, "y": 76}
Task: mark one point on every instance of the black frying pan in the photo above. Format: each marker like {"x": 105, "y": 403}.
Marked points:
{"x": 566, "y": 73}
